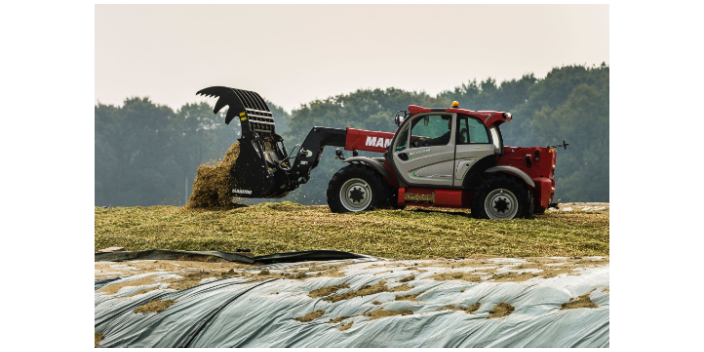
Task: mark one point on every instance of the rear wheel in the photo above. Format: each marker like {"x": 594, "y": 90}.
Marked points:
{"x": 356, "y": 188}
{"x": 501, "y": 197}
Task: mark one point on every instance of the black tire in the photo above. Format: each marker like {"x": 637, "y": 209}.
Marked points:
{"x": 513, "y": 197}
{"x": 358, "y": 180}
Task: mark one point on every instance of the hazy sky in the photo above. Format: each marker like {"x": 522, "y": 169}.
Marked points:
{"x": 292, "y": 54}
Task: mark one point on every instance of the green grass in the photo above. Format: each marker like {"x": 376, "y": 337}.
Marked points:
{"x": 412, "y": 233}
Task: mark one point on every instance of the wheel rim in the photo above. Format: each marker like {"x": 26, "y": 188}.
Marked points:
{"x": 355, "y": 194}
{"x": 501, "y": 204}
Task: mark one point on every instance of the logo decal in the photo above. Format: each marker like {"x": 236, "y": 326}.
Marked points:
{"x": 377, "y": 142}
{"x": 413, "y": 154}
{"x": 241, "y": 191}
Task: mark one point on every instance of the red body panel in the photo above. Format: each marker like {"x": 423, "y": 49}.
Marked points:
{"x": 489, "y": 118}
{"x": 444, "y": 198}
{"x": 371, "y": 141}
{"x": 542, "y": 170}
{"x": 392, "y": 179}
{"x": 413, "y": 109}
{"x": 448, "y": 198}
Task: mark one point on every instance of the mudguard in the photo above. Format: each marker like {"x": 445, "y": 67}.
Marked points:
{"x": 378, "y": 166}
{"x": 514, "y": 170}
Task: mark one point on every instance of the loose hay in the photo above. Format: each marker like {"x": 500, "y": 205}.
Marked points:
{"x": 408, "y": 278}
{"x": 364, "y": 291}
{"x": 114, "y": 288}
{"x": 338, "y": 320}
{"x": 469, "y": 310}
{"x": 582, "y": 301}
{"x": 211, "y": 188}
{"x": 98, "y": 337}
{"x": 409, "y": 297}
{"x": 154, "y": 306}
{"x": 513, "y": 277}
{"x": 311, "y": 316}
{"x": 367, "y": 290}
{"x": 193, "y": 279}
{"x": 142, "y": 291}
{"x": 501, "y": 310}
{"x": 458, "y": 275}
{"x": 381, "y": 313}
{"x": 326, "y": 291}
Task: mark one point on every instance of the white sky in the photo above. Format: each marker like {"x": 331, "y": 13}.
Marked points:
{"x": 292, "y": 54}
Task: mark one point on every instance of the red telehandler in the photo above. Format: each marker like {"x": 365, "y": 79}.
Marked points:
{"x": 449, "y": 157}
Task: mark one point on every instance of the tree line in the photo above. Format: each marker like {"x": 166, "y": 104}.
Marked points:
{"x": 148, "y": 154}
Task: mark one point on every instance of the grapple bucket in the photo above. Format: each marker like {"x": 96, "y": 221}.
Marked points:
{"x": 259, "y": 171}
{"x": 248, "y": 107}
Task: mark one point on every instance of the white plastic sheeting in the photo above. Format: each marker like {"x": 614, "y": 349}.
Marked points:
{"x": 242, "y": 312}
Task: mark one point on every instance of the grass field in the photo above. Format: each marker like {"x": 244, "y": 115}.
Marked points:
{"x": 413, "y": 233}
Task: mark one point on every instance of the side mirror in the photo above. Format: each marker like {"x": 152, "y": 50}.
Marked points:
{"x": 400, "y": 117}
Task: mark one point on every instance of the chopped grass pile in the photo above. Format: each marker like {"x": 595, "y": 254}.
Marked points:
{"x": 311, "y": 316}
{"x": 407, "y": 234}
{"x": 211, "y": 188}
{"x": 501, "y": 310}
{"x": 98, "y": 337}
{"x": 155, "y": 306}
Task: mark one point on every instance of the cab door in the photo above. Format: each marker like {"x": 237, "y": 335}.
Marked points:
{"x": 473, "y": 143}
{"x": 424, "y": 152}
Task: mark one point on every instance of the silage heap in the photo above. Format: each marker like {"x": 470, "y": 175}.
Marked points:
{"x": 211, "y": 188}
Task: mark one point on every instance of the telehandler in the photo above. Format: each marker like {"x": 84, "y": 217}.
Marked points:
{"x": 446, "y": 157}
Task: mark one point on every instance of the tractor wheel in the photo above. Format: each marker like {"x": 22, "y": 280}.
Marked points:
{"x": 501, "y": 197}
{"x": 355, "y": 188}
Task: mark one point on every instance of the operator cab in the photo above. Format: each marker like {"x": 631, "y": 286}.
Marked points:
{"x": 437, "y": 148}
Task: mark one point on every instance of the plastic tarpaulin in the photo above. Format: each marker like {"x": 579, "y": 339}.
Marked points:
{"x": 167, "y": 254}
{"x": 246, "y": 311}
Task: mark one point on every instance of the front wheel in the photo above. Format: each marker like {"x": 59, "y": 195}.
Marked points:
{"x": 356, "y": 188}
{"x": 501, "y": 197}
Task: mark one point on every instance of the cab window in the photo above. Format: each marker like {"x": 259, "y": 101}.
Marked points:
{"x": 471, "y": 131}
{"x": 402, "y": 143}
{"x": 431, "y": 130}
